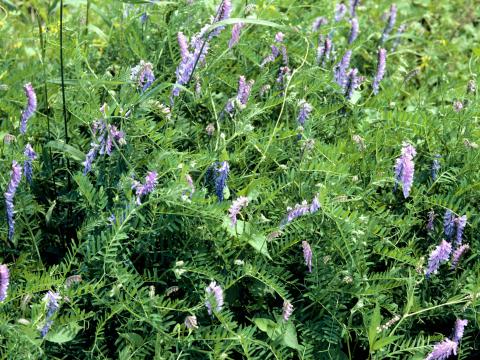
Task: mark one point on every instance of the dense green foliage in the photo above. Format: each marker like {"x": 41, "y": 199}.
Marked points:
{"x": 144, "y": 267}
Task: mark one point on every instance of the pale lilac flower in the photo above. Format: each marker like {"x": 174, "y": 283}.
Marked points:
{"x": 315, "y": 205}
{"x": 279, "y": 37}
{"x": 353, "y": 7}
{"x": 236, "y": 207}
{"x": 90, "y": 157}
{"x": 405, "y": 168}
{"x": 142, "y": 74}
{"x": 438, "y": 256}
{"x": 287, "y": 310}
{"x": 283, "y": 75}
{"x": 431, "y": 218}
{"x": 381, "y": 65}
{"x": 457, "y": 106}
{"x": 51, "y": 299}
{"x": 244, "y": 89}
{"x": 4, "y": 281}
{"x": 457, "y": 254}
{"x": 144, "y": 189}
{"x": 390, "y": 23}
{"x": 191, "y": 322}
{"x": 223, "y": 13}
{"x": 307, "y": 254}
{"x": 459, "y": 330}
{"x": 214, "y": 292}
{"x": 210, "y": 129}
{"x": 236, "y": 29}
{"x": 323, "y": 51}
{"x": 435, "y": 167}
{"x": 448, "y": 224}
{"x": 443, "y": 350}
{"x": 340, "y": 11}
{"x": 221, "y": 179}
{"x": 30, "y": 155}
{"x": 353, "y": 82}
{"x": 400, "y": 31}
{"x": 190, "y": 184}
{"x": 15, "y": 177}
{"x": 341, "y": 69}
{"x": 319, "y": 22}
{"x": 297, "y": 211}
{"x": 460, "y": 223}
{"x": 73, "y": 279}
{"x": 471, "y": 86}
{"x": 353, "y": 30}
{"x": 30, "y": 108}
{"x": 271, "y": 57}
{"x": 9, "y": 138}
{"x": 304, "y": 112}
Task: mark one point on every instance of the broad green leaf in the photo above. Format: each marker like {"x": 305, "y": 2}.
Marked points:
{"x": 64, "y": 333}
{"x": 68, "y": 150}
{"x": 384, "y": 342}
{"x": 259, "y": 243}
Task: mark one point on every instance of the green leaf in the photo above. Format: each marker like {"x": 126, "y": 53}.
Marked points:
{"x": 375, "y": 321}
{"x": 290, "y": 337}
{"x": 384, "y": 342}
{"x": 68, "y": 150}
{"x": 245, "y": 21}
{"x": 259, "y": 243}
{"x": 266, "y": 325}
{"x": 64, "y": 333}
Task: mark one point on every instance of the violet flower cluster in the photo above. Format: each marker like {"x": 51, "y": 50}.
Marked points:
{"x": 381, "y": 65}
{"x": 304, "y": 112}
{"x": 237, "y": 205}
{"x": 236, "y": 30}
{"x": 275, "y": 51}
{"x": 307, "y": 254}
{"x": 440, "y": 255}
{"x": 30, "y": 155}
{"x": 353, "y": 30}
{"x": 353, "y": 82}
{"x": 4, "y": 281}
{"x": 214, "y": 292}
{"x": 392, "y": 17}
{"x": 353, "y": 7}
{"x": 15, "y": 177}
{"x": 191, "y": 322}
{"x": 287, "y": 310}
{"x": 221, "y": 179}
{"x": 398, "y": 39}
{"x": 243, "y": 93}
{"x": 340, "y": 70}
{"x": 51, "y": 299}
{"x": 448, "y": 347}
{"x": 324, "y": 50}
{"x": 405, "y": 168}
{"x": 30, "y": 108}
{"x": 457, "y": 254}
{"x": 454, "y": 225}
{"x": 318, "y": 23}
{"x": 142, "y": 75}
{"x": 142, "y": 190}
{"x": 340, "y": 11}
{"x": 301, "y": 209}
{"x": 435, "y": 167}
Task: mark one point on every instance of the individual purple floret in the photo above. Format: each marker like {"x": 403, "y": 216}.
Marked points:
{"x": 435, "y": 167}
{"x": 431, "y": 218}
{"x": 144, "y": 189}
{"x": 31, "y": 107}
{"x": 353, "y": 82}
{"x": 287, "y": 310}
{"x": 307, "y": 255}
{"x": 304, "y": 112}
{"x": 15, "y": 177}
{"x": 30, "y": 155}
{"x": 392, "y": 17}
{"x": 353, "y": 7}
{"x": 438, "y": 256}
{"x": 449, "y": 224}
{"x": 381, "y": 65}
{"x": 341, "y": 69}
{"x": 460, "y": 223}
{"x": 221, "y": 179}
{"x": 236, "y": 29}
{"x": 142, "y": 74}
{"x": 353, "y": 30}
{"x": 405, "y": 168}
{"x": 318, "y": 23}
{"x": 443, "y": 350}
{"x": 236, "y": 207}
{"x": 340, "y": 11}
{"x": 4, "y": 281}
{"x": 214, "y": 292}
{"x": 398, "y": 39}
{"x": 459, "y": 329}
{"x": 457, "y": 254}
{"x": 51, "y": 299}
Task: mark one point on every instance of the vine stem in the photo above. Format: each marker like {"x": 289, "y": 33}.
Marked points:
{"x": 62, "y": 70}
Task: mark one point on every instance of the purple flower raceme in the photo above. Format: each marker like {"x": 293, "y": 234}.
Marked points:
{"x": 340, "y": 11}
{"x": 30, "y": 108}
{"x": 236, "y": 29}
{"x": 341, "y": 69}
{"x": 30, "y": 155}
{"x": 398, "y": 39}
{"x": 431, "y": 218}
{"x": 301, "y": 209}
{"x": 448, "y": 224}
{"x": 4, "y": 281}
{"x": 405, "y": 168}
{"x": 381, "y": 65}
{"x": 144, "y": 189}
{"x": 214, "y": 292}
{"x": 459, "y": 329}
{"x": 318, "y": 23}
{"x": 275, "y": 51}
{"x": 307, "y": 254}
{"x": 142, "y": 75}
{"x": 287, "y": 310}
{"x": 304, "y": 112}
{"x": 353, "y": 30}
{"x": 221, "y": 179}
{"x": 353, "y": 82}
{"x": 223, "y": 13}
{"x": 457, "y": 254}
{"x": 236, "y": 207}
{"x": 353, "y": 7}
{"x": 51, "y": 299}
{"x": 315, "y": 205}
{"x": 435, "y": 167}
{"x": 191, "y": 322}
{"x": 392, "y": 17}
{"x": 438, "y": 256}
{"x": 443, "y": 350}
{"x": 15, "y": 177}
{"x": 323, "y": 50}
{"x": 460, "y": 223}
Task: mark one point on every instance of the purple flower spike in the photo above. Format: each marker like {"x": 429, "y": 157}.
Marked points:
{"x": 392, "y": 17}
{"x": 244, "y": 89}
{"x": 221, "y": 180}
{"x": 353, "y": 7}
{"x": 457, "y": 254}
{"x": 236, "y": 207}
{"x": 297, "y": 211}
{"x": 353, "y": 82}
{"x": 4, "y": 281}
{"x": 30, "y": 109}
{"x": 431, "y": 218}
{"x": 51, "y": 299}
{"x": 307, "y": 255}
{"x": 400, "y": 31}
{"x": 405, "y": 168}
{"x": 435, "y": 167}
{"x": 223, "y": 13}
{"x": 459, "y": 330}
{"x": 340, "y": 11}
{"x": 318, "y": 23}
{"x": 237, "y": 28}
{"x": 279, "y": 37}
{"x": 304, "y": 113}
{"x": 448, "y": 224}
{"x": 287, "y": 310}
{"x": 214, "y": 292}
{"x": 341, "y": 69}
{"x": 443, "y": 350}
{"x": 460, "y": 222}
{"x": 438, "y": 256}
{"x": 15, "y": 177}
{"x": 315, "y": 205}
{"x": 353, "y": 30}
{"x": 143, "y": 75}
{"x": 27, "y": 164}
{"x": 150, "y": 182}
{"x": 381, "y": 65}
